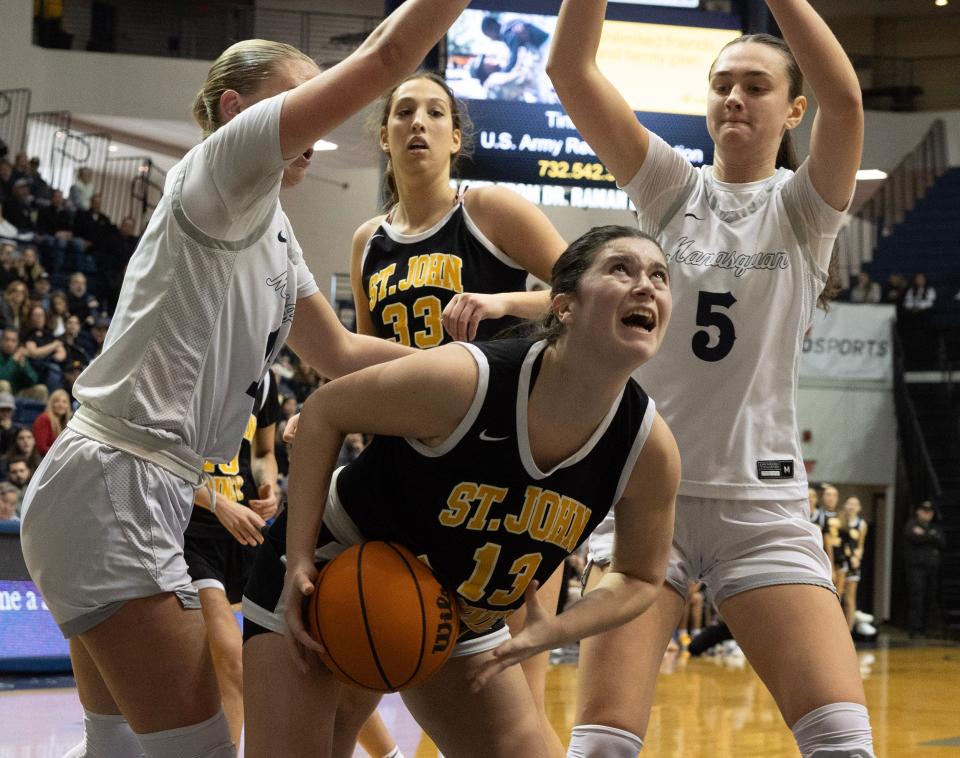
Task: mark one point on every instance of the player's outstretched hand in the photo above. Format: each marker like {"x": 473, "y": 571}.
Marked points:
{"x": 535, "y": 637}
{"x": 243, "y": 523}
{"x": 298, "y": 585}
{"x": 290, "y": 430}
{"x": 266, "y": 507}
{"x": 465, "y": 311}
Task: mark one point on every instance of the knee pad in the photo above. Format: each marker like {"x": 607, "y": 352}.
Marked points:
{"x": 837, "y": 730}
{"x": 208, "y": 739}
{"x": 599, "y": 741}
{"x": 106, "y": 736}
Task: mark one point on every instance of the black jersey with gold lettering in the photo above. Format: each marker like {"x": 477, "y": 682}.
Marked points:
{"x": 234, "y": 479}
{"x": 477, "y": 508}
{"x": 409, "y": 279}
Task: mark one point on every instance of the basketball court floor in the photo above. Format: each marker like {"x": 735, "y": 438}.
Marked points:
{"x": 713, "y": 707}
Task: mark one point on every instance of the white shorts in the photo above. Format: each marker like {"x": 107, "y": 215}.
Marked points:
{"x": 736, "y": 545}
{"x": 101, "y": 527}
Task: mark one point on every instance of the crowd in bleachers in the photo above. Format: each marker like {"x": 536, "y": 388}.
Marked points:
{"x": 61, "y": 264}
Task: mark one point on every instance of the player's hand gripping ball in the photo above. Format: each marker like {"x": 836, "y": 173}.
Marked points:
{"x": 383, "y": 619}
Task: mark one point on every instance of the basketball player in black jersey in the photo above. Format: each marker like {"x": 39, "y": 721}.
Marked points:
{"x": 444, "y": 265}
{"x": 221, "y": 539}
{"x": 494, "y": 461}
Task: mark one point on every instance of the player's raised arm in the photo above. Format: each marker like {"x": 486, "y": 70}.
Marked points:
{"x": 393, "y": 50}
{"x": 836, "y": 143}
{"x": 600, "y": 113}
{"x": 428, "y": 394}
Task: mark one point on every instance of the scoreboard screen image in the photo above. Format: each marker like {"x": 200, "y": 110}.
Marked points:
{"x": 658, "y": 58}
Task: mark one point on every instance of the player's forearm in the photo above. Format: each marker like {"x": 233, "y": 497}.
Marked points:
{"x": 822, "y": 59}
{"x": 405, "y": 37}
{"x": 362, "y": 351}
{"x": 265, "y": 469}
{"x": 617, "y": 599}
{"x": 313, "y": 457}
{"x": 526, "y": 305}
{"x": 576, "y": 39}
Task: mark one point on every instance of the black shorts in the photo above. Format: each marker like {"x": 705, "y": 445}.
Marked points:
{"x": 218, "y": 562}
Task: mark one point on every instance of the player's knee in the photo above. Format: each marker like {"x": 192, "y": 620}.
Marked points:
{"x": 106, "y": 736}
{"x": 599, "y": 741}
{"x": 837, "y": 730}
{"x": 208, "y": 739}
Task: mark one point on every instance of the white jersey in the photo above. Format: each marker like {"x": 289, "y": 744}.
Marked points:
{"x": 747, "y": 263}
{"x": 208, "y": 297}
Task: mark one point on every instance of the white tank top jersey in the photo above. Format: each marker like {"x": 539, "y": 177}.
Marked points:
{"x": 747, "y": 263}
{"x": 208, "y": 297}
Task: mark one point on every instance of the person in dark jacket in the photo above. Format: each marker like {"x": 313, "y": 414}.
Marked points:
{"x": 923, "y": 542}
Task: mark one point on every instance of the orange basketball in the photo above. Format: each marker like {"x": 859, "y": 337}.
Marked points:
{"x": 385, "y": 621}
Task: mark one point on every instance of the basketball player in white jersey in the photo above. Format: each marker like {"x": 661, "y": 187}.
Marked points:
{"x": 748, "y": 241}
{"x": 208, "y": 300}
{"x": 490, "y": 236}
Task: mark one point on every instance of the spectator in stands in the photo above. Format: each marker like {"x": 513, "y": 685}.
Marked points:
{"x": 82, "y": 189}
{"x": 55, "y": 219}
{"x": 25, "y": 446}
{"x": 16, "y": 369}
{"x": 18, "y": 207}
{"x": 29, "y": 268}
{"x": 44, "y": 351}
{"x": 21, "y": 167}
{"x": 15, "y": 305}
{"x": 19, "y": 472}
{"x": 895, "y": 290}
{"x": 922, "y": 543}
{"x": 6, "y": 179}
{"x": 81, "y": 302}
{"x": 99, "y": 333}
{"x": 115, "y": 263}
{"x": 41, "y": 291}
{"x": 59, "y": 312}
{"x": 8, "y": 231}
{"x": 9, "y": 497}
{"x": 41, "y": 191}
{"x": 8, "y": 430}
{"x": 95, "y": 227}
{"x": 80, "y": 345}
{"x": 8, "y": 264}
{"x": 864, "y": 291}
{"x": 48, "y": 425}
{"x": 55, "y": 227}
{"x": 71, "y": 372}
{"x": 353, "y": 445}
{"x": 920, "y": 297}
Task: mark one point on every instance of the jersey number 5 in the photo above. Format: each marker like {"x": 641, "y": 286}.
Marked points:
{"x": 708, "y": 316}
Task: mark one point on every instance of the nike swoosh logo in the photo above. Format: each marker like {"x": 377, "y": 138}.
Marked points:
{"x": 281, "y": 237}
{"x": 692, "y": 215}
{"x": 487, "y": 438}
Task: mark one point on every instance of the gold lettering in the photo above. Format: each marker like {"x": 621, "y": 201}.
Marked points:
{"x": 576, "y": 528}
{"x": 562, "y": 524}
{"x": 488, "y": 496}
{"x": 434, "y": 270}
{"x": 451, "y": 273}
{"x": 458, "y": 504}
{"x": 519, "y": 524}
{"x": 544, "y": 515}
{"x": 408, "y": 281}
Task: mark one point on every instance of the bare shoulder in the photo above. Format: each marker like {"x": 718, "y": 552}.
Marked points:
{"x": 486, "y": 202}
{"x": 365, "y": 230}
